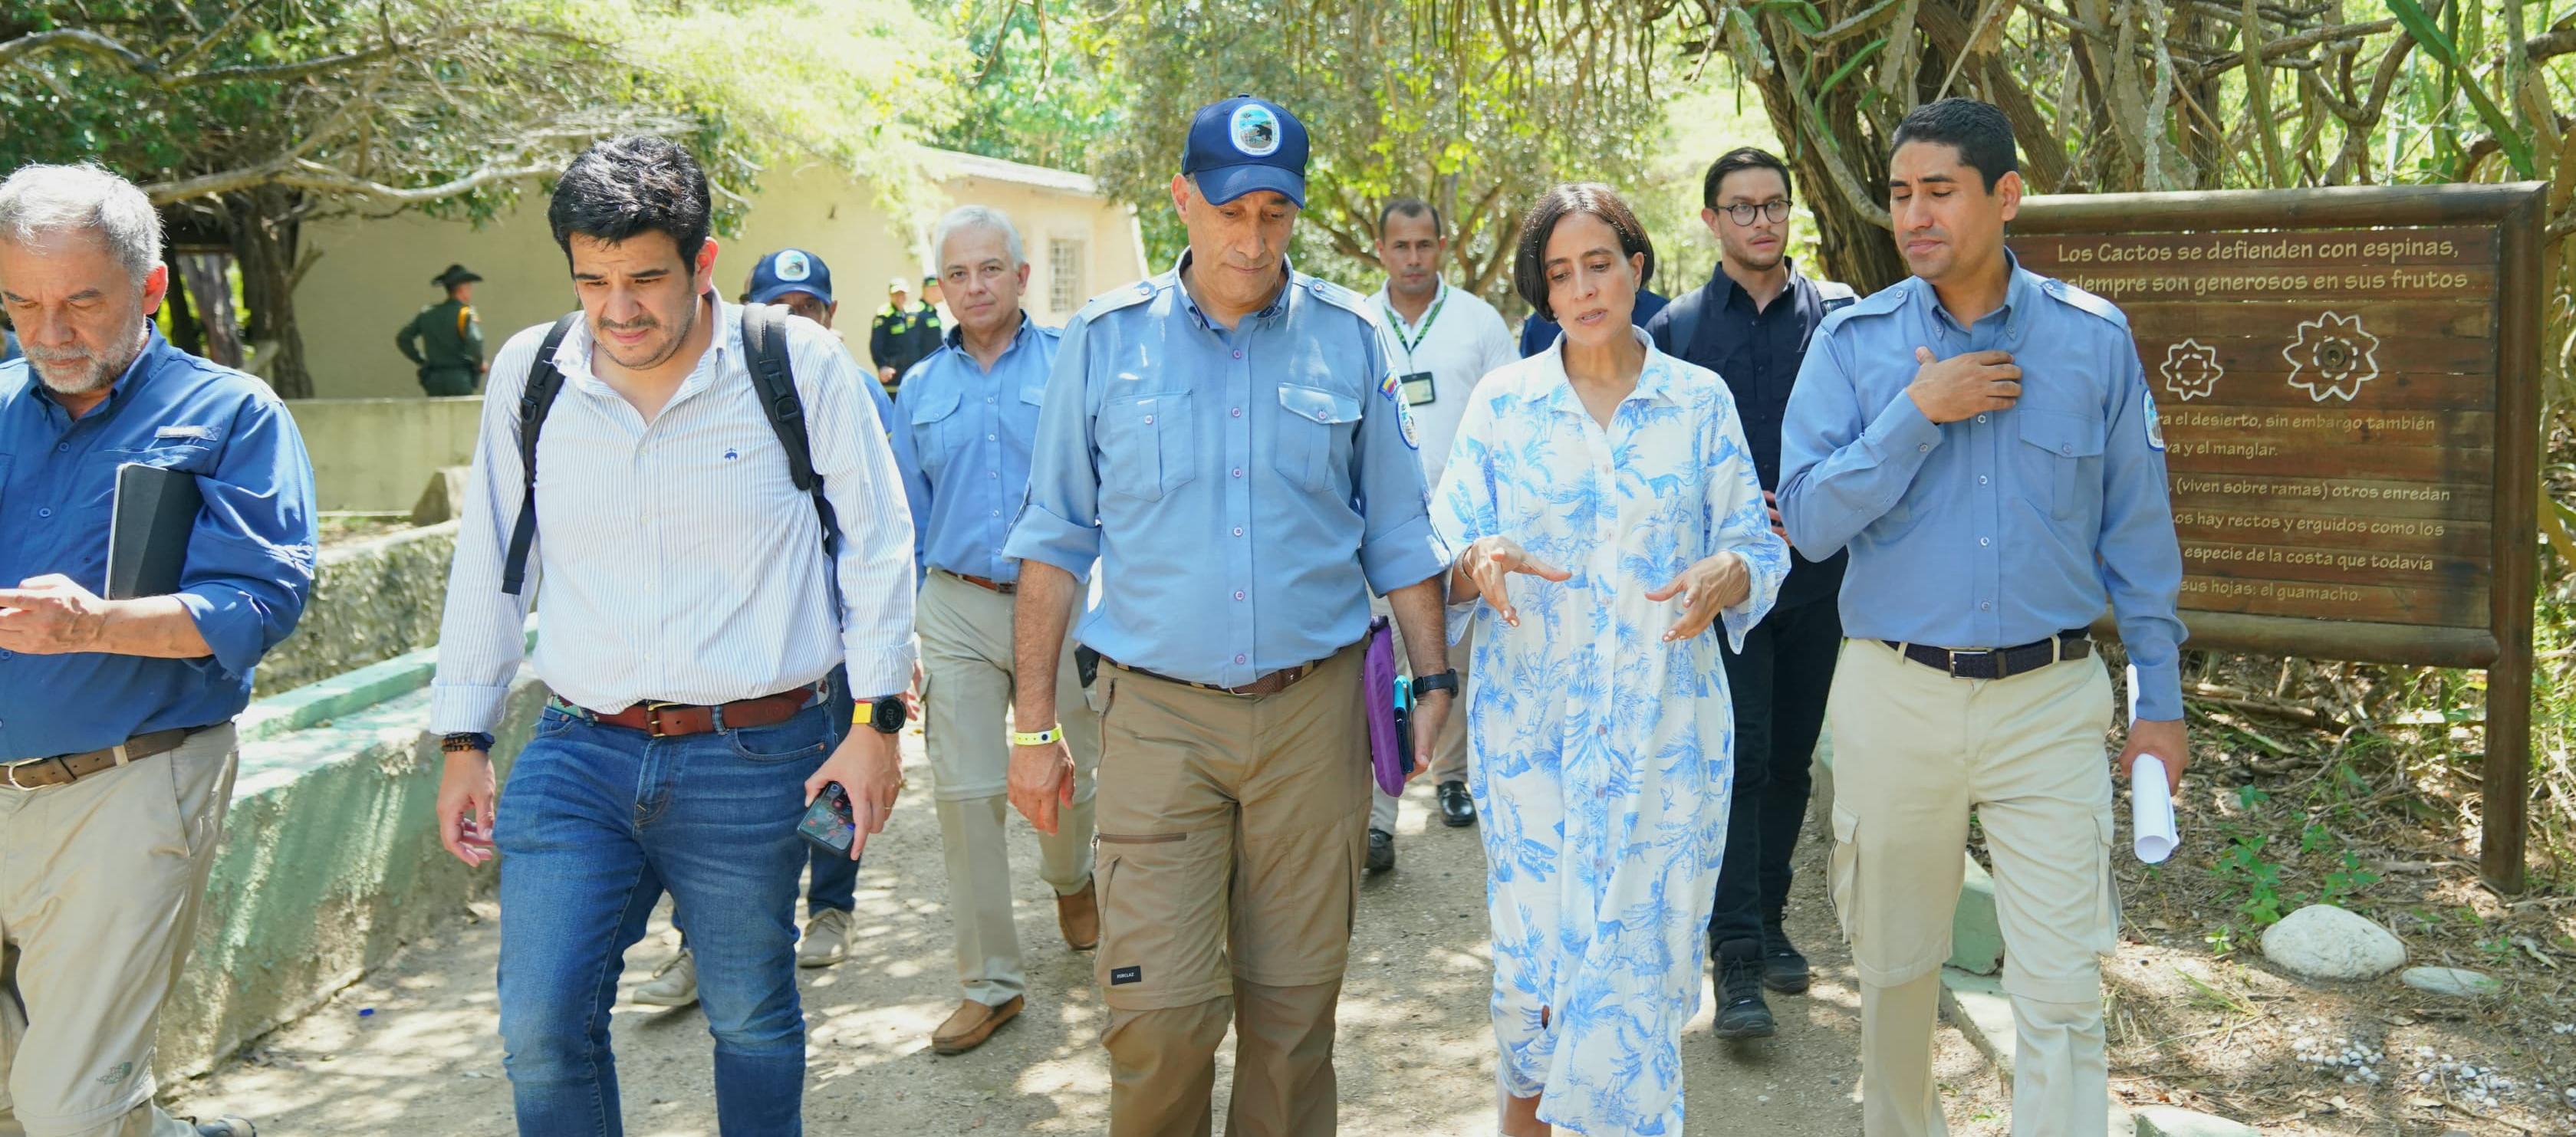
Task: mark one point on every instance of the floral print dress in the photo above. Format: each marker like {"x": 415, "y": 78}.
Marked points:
{"x": 1603, "y": 756}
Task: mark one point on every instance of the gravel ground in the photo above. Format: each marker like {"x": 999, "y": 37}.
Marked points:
{"x": 413, "y": 1049}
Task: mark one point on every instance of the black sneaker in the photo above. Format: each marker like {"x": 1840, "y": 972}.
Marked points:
{"x": 225, "y": 1127}
{"x": 1381, "y": 854}
{"x": 1741, "y": 1013}
{"x": 1783, "y": 969}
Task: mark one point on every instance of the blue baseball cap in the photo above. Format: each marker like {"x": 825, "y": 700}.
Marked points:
{"x": 790, "y": 270}
{"x": 1245, "y": 144}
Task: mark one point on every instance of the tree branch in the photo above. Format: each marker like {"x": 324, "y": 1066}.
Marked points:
{"x": 314, "y": 176}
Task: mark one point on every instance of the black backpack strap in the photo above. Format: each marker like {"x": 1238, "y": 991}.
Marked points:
{"x": 764, "y": 338}
{"x": 537, "y": 398}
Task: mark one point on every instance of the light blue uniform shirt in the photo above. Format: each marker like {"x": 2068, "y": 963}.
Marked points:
{"x": 1243, "y": 491}
{"x": 2004, "y": 528}
{"x": 962, "y": 438}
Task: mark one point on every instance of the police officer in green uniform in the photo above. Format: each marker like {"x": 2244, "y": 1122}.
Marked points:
{"x": 445, "y": 340}
{"x": 905, "y": 333}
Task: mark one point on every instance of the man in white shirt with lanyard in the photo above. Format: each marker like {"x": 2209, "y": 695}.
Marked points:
{"x": 1440, "y": 340}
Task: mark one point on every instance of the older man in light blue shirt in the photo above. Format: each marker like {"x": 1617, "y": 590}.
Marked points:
{"x": 965, "y": 422}
{"x": 1983, "y": 441}
{"x": 1227, "y": 442}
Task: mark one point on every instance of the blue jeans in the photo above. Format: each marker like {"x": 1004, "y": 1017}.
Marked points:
{"x": 834, "y": 882}
{"x": 596, "y": 823}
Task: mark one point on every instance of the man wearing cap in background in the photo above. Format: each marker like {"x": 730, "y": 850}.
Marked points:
{"x": 935, "y": 296}
{"x": 1440, "y": 341}
{"x": 1228, "y": 444}
{"x": 445, "y": 341}
{"x": 904, "y": 333}
{"x": 799, "y": 282}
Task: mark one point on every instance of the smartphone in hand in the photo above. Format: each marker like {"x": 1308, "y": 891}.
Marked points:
{"x": 828, "y": 823}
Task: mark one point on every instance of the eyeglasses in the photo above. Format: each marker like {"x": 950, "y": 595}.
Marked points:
{"x": 1772, "y": 211}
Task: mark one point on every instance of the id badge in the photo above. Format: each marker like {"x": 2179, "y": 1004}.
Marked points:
{"x": 1418, "y": 389}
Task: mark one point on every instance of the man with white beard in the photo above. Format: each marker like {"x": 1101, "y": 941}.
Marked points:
{"x": 110, "y": 709}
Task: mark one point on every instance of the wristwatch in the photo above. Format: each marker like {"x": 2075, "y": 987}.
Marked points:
{"x": 463, "y": 741}
{"x": 886, "y": 715}
{"x": 1445, "y": 681}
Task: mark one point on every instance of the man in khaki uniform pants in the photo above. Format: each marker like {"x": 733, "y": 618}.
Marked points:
{"x": 116, "y": 715}
{"x": 963, "y": 428}
{"x": 1989, "y": 523}
{"x": 1226, "y": 441}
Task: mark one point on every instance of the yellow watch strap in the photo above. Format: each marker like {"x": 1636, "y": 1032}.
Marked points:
{"x": 1047, "y": 737}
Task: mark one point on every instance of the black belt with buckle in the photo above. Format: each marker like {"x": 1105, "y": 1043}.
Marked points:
{"x": 2002, "y": 662}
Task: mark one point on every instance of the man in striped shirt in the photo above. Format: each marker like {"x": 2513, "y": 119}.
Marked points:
{"x": 692, "y": 615}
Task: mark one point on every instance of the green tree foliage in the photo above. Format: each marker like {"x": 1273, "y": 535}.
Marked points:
{"x": 1434, "y": 101}
{"x": 244, "y": 117}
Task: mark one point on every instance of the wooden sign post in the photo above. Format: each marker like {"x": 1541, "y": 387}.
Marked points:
{"x": 2349, "y": 381}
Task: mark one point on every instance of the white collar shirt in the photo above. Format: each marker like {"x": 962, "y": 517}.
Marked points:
{"x": 1461, "y": 340}
{"x": 677, "y": 559}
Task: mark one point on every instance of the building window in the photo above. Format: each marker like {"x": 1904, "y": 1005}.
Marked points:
{"x": 1064, "y": 275}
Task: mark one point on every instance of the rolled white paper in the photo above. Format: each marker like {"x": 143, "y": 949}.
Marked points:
{"x": 2151, "y": 812}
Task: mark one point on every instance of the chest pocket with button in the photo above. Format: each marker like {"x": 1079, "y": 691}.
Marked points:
{"x": 2062, "y": 455}
{"x": 937, "y": 429}
{"x": 1310, "y": 433}
{"x": 1146, "y": 449}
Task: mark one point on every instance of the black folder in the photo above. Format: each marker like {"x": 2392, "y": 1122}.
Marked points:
{"x": 148, "y": 528}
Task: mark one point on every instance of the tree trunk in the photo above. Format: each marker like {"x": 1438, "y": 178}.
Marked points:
{"x": 264, "y": 225}
{"x": 185, "y": 334}
{"x": 209, "y": 283}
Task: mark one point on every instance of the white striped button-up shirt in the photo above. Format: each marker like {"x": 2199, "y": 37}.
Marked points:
{"x": 677, "y": 560}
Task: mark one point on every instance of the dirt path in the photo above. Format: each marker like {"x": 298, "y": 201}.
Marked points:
{"x": 413, "y": 1048}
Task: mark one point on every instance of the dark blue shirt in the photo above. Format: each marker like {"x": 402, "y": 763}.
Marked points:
{"x": 249, "y": 566}
{"x": 1537, "y": 334}
{"x": 1757, "y": 351}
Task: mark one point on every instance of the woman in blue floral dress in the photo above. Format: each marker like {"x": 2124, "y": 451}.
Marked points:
{"x": 1609, "y": 515}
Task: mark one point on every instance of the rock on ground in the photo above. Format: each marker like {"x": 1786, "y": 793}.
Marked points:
{"x": 2173, "y": 1121}
{"x": 2322, "y": 941}
{"x": 2456, "y": 982}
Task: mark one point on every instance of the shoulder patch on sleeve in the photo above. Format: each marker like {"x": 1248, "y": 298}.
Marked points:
{"x": 2155, "y": 422}
{"x": 2074, "y": 297}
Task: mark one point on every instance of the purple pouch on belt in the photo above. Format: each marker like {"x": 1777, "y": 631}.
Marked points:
{"x": 1377, "y": 675}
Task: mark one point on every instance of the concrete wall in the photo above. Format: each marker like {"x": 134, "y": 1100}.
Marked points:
{"x": 372, "y": 600}
{"x": 373, "y": 275}
{"x": 378, "y": 454}
{"x": 330, "y": 859}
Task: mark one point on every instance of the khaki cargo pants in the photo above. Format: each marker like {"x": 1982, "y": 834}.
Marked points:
{"x": 966, "y": 691}
{"x": 1914, "y": 752}
{"x": 100, "y": 882}
{"x": 1231, "y": 837}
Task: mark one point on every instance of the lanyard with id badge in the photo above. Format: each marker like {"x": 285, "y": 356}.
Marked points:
{"x": 1417, "y": 385}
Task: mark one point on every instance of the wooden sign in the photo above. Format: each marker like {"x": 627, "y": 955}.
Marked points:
{"x": 2349, "y": 382}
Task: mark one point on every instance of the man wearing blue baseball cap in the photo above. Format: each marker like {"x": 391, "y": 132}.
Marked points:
{"x": 1237, "y": 400}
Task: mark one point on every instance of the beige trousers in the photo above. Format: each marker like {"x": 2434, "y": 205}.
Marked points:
{"x": 1914, "y": 752}
{"x": 966, "y": 696}
{"x": 100, "y": 883}
{"x": 1231, "y": 840}
{"x": 1449, "y": 755}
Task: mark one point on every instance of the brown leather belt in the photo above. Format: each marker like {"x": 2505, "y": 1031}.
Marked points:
{"x": 1270, "y": 684}
{"x": 64, "y": 769}
{"x": 2002, "y": 662}
{"x": 679, "y": 720}
{"x": 986, "y": 585}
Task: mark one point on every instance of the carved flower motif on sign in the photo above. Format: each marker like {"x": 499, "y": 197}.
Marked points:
{"x": 2332, "y": 357}
{"x": 2191, "y": 370}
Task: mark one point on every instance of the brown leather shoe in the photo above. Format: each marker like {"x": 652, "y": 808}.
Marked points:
{"x": 1079, "y": 916}
{"x": 972, "y": 1024}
